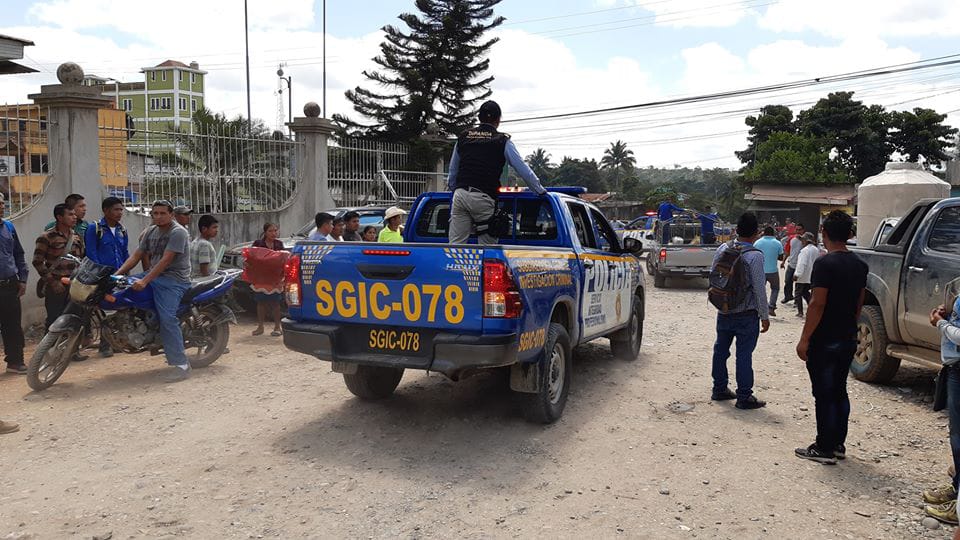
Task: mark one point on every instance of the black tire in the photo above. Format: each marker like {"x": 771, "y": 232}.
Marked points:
{"x": 871, "y": 363}
{"x": 625, "y": 343}
{"x": 51, "y": 358}
{"x": 546, "y": 406}
{"x": 650, "y": 270}
{"x": 659, "y": 280}
{"x": 373, "y": 382}
{"x": 216, "y": 338}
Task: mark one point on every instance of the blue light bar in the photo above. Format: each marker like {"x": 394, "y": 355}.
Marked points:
{"x": 574, "y": 191}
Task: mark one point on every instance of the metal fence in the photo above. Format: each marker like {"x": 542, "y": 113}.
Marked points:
{"x": 367, "y": 172}
{"x": 210, "y": 167}
{"x": 24, "y": 156}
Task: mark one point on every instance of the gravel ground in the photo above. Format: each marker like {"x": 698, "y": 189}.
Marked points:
{"x": 269, "y": 444}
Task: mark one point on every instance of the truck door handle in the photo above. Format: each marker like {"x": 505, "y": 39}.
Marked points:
{"x": 917, "y": 269}
{"x": 588, "y": 263}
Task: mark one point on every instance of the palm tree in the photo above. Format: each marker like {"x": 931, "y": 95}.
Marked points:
{"x": 539, "y": 162}
{"x": 618, "y": 158}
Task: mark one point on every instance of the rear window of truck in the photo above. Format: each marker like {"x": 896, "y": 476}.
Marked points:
{"x": 533, "y": 220}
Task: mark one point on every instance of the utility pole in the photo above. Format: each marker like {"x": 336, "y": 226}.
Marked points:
{"x": 246, "y": 40}
{"x": 289, "y": 80}
{"x": 324, "y": 110}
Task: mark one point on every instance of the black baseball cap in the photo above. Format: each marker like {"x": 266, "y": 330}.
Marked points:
{"x": 489, "y": 111}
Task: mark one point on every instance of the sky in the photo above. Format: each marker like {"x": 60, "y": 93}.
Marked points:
{"x": 553, "y": 56}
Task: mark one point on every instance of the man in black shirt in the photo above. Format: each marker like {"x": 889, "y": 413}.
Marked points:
{"x": 829, "y": 337}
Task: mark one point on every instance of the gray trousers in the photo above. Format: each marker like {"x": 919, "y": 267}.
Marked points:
{"x": 468, "y": 209}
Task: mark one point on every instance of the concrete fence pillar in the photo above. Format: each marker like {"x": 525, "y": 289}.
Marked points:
{"x": 314, "y": 132}
{"x": 72, "y": 137}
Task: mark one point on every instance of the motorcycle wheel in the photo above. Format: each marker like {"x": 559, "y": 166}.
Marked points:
{"x": 215, "y": 338}
{"x": 52, "y": 358}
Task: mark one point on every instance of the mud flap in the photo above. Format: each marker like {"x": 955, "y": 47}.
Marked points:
{"x": 220, "y": 313}
{"x": 347, "y": 368}
{"x": 65, "y": 323}
{"x": 525, "y": 377}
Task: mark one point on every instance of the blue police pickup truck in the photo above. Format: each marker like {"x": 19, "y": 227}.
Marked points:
{"x": 561, "y": 277}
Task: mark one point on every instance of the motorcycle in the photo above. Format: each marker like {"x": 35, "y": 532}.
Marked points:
{"x": 133, "y": 326}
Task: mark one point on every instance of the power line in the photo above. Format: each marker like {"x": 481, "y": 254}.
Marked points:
{"x": 881, "y": 71}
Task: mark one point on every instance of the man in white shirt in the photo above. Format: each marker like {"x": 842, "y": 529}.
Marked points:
{"x": 792, "y": 251}
{"x": 808, "y": 255}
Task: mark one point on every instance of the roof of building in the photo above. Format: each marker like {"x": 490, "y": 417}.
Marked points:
{"x": 795, "y": 193}
{"x": 18, "y": 40}
{"x": 10, "y": 68}
{"x": 596, "y": 197}
{"x": 174, "y": 64}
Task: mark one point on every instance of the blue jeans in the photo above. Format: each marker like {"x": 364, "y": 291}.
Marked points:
{"x": 828, "y": 365}
{"x": 953, "y": 409}
{"x": 167, "y": 293}
{"x": 745, "y": 327}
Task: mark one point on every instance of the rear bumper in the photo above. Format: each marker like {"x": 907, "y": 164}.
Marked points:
{"x": 454, "y": 355}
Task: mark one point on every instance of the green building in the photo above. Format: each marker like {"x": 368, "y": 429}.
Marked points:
{"x": 166, "y": 100}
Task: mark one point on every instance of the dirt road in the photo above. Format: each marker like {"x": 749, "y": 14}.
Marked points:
{"x": 269, "y": 444}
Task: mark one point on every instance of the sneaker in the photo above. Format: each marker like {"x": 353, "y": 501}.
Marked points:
{"x": 750, "y": 403}
{"x": 723, "y": 395}
{"x": 79, "y": 358}
{"x": 940, "y": 495}
{"x": 840, "y": 452}
{"x": 946, "y": 512}
{"x": 176, "y": 374}
{"x": 106, "y": 352}
{"x": 20, "y": 369}
{"x": 8, "y": 427}
{"x": 786, "y": 300}
{"x": 815, "y": 454}
{"x": 773, "y": 312}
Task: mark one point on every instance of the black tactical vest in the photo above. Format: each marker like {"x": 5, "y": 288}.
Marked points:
{"x": 481, "y": 151}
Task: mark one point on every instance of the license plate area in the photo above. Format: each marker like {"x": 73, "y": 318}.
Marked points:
{"x": 389, "y": 340}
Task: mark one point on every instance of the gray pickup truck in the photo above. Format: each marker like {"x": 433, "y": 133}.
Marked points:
{"x": 913, "y": 270}
{"x": 683, "y": 256}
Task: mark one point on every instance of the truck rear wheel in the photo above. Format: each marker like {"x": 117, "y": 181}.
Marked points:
{"x": 871, "y": 363}
{"x": 546, "y": 406}
{"x": 649, "y": 265}
{"x": 625, "y": 343}
{"x": 373, "y": 382}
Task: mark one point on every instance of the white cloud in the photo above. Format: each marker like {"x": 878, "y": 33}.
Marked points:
{"x": 857, "y": 18}
{"x": 690, "y": 13}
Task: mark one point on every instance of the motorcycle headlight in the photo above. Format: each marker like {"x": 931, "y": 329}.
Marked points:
{"x": 81, "y": 292}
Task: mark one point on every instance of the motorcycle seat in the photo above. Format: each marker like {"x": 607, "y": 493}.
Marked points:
{"x": 198, "y": 287}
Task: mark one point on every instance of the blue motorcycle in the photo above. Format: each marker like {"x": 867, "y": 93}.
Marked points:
{"x": 133, "y": 325}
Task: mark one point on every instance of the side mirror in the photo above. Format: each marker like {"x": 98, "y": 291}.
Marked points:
{"x": 632, "y": 245}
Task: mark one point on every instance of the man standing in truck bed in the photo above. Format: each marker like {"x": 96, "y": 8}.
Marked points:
{"x": 475, "y": 168}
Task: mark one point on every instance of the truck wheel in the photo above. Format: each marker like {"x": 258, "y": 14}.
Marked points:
{"x": 373, "y": 382}
{"x": 871, "y": 363}
{"x": 546, "y": 406}
{"x": 649, "y": 265}
{"x": 659, "y": 280}
{"x": 625, "y": 343}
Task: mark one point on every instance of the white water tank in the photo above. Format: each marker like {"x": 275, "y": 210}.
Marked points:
{"x": 893, "y": 193}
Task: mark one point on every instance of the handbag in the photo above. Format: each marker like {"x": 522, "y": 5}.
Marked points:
{"x": 940, "y": 390}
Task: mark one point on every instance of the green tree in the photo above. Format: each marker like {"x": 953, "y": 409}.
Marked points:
{"x": 620, "y": 161}
{"x": 433, "y": 72}
{"x": 922, "y": 133}
{"x": 790, "y": 158}
{"x": 772, "y": 119}
{"x": 540, "y": 164}
{"x": 859, "y": 134}
{"x": 579, "y": 172}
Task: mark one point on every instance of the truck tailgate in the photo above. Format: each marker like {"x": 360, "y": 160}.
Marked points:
{"x": 688, "y": 256}
{"x": 423, "y": 287}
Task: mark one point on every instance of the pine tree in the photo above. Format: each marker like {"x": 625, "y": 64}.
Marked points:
{"x": 431, "y": 73}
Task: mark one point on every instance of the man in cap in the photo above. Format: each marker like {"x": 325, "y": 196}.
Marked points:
{"x": 182, "y": 215}
{"x": 478, "y": 160}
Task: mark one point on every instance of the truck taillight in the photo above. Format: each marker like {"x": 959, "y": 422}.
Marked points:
{"x": 501, "y": 299}
{"x": 291, "y": 282}
{"x": 663, "y": 255}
